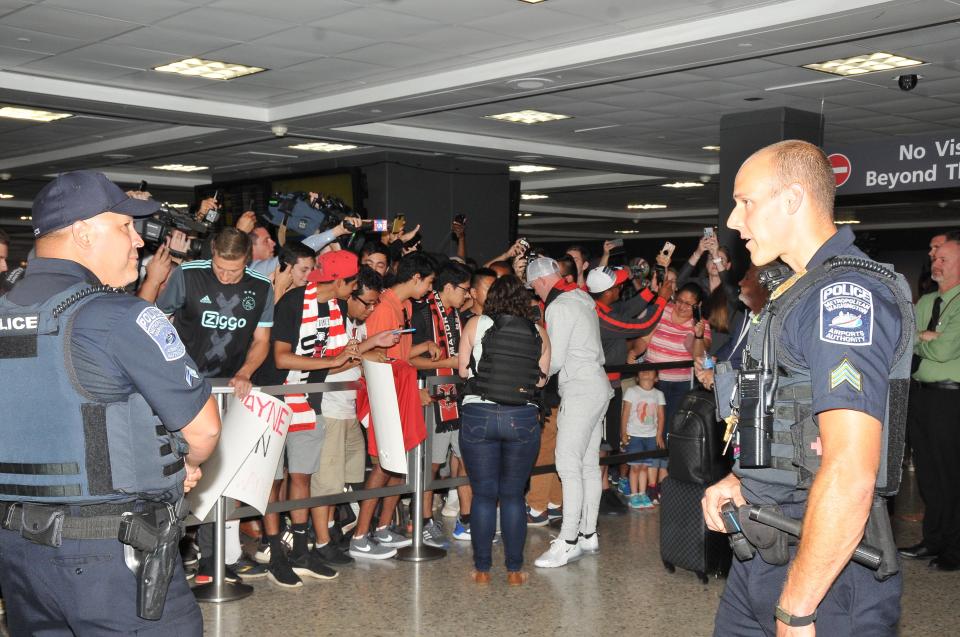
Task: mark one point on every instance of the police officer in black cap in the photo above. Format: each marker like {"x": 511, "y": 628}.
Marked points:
{"x": 819, "y": 415}
{"x": 105, "y": 424}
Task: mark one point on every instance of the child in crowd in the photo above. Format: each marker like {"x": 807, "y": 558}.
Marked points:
{"x": 641, "y": 429}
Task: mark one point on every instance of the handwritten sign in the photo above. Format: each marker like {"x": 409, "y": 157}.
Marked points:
{"x": 245, "y": 461}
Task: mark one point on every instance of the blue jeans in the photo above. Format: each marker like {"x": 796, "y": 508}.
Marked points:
{"x": 673, "y": 393}
{"x": 499, "y": 444}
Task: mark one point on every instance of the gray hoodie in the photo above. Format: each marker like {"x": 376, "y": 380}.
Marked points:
{"x": 575, "y": 348}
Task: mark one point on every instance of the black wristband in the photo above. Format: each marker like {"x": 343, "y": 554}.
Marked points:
{"x": 792, "y": 620}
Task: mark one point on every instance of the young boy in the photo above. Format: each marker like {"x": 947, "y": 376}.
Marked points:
{"x": 641, "y": 429}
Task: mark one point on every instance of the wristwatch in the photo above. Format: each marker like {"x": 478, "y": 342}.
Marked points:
{"x": 793, "y": 620}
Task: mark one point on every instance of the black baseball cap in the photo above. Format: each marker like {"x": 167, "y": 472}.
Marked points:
{"x": 82, "y": 194}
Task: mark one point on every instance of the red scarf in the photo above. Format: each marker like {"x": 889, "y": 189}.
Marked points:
{"x": 445, "y": 411}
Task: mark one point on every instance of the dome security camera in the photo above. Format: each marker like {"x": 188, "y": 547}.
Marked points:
{"x": 907, "y": 82}
{"x": 279, "y": 130}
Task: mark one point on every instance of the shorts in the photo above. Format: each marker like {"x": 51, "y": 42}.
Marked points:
{"x": 341, "y": 459}
{"x": 638, "y": 443}
{"x": 440, "y": 444}
{"x": 303, "y": 450}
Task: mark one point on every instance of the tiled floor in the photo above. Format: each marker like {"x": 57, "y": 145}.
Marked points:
{"x": 623, "y": 590}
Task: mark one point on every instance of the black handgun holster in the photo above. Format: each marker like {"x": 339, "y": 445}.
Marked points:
{"x": 879, "y": 533}
{"x": 771, "y": 543}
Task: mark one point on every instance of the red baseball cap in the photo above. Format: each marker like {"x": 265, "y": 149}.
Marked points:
{"x": 332, "y": 266}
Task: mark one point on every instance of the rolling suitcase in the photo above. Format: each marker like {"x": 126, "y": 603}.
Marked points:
{"x": 685, "y": 541}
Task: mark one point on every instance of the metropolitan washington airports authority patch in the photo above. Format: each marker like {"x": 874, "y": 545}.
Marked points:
{"x": 846, "y": 314}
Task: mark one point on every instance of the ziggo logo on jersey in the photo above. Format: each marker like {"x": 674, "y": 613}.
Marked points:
{"x": 220, "y": 322}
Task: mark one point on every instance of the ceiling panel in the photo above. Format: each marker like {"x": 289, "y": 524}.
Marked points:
{"x": 526, "y": 23}
{"x": 458, "y": 38}
{"x": 393, "y": 54}
{"x": 120, "y": 55}
{"x": 35, "y": 41}
{"x": 55, "y": 21}
{"x": 10, "y": 58}
{"x": 377, "y": 24}
{"x": 187, "y": 44}
{"x": 267, "y": 57}
{"x": 315, "y": 40}
{"x": 226, "y": 24}
{"x": 299, "y": 11}
{"x": 133, "y": 11}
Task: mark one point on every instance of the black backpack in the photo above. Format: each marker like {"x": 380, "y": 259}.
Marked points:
{"x": 509, "y": 368}
{"x": 696, "y": 441}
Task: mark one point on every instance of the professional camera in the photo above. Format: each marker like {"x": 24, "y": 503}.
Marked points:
{"x": 529, "y": 253}
{"x": 306, "y": 217}
{"x": 640, "y": 270}
{"x": 155, "y": 229}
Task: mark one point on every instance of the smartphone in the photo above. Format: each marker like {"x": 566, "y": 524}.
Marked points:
{"x": 409, "y": 330}
{"x": 668, "y": 249}
{"x": 461, "y": 219}
{"x": 697, "y": 314}
{"x": 143, "y": 185}
{"x": 379, "y": 225}
{"x": 398, "y": 223}
{"x": 708, "y": 231}
{"x": 616, "y": 243}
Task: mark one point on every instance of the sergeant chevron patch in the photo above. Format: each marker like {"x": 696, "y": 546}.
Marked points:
{"x": 845, "y": 372}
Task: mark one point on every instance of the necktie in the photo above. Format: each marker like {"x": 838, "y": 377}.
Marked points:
{"x": 931, "y": 327}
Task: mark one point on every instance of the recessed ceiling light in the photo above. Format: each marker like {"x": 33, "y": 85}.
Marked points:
{"x": 26, "y": 217}
{"x": 323, "y": 147}
{"x": 626, "y": 232}
{"x": 177, "y": 205}
{"x": 30, "y": 114}
{"x": 711, "y": 148}
{"x": 533, "y": 1}
{"x": 868, "y": 63}
{"x": 646, "y": 206}
{"x": 529, "y": 195}
{"x": 684, "y": 184}
{"x": 530, "y": 168}
{"x": 527, "y": 117}
{"x": 846, "y": 222}
{"x": 524, "y": 214}
{"x": 182, "y": 168}
{"x": 4, "y": 195}
{"x": 210, "y": 69}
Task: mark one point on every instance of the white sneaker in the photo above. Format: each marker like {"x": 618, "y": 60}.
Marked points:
{"x": 560, "y": 553}
{"x": 451, "y": 508}
{"x": 589, "y": 545}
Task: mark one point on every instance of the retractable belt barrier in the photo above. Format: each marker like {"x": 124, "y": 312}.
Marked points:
{"x": 221, "y": 591}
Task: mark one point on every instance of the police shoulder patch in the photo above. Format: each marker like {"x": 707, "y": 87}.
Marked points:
{"x": 845, "y": 372}
{"x": 154, "y": 322}
{"x": 846, "y": 314}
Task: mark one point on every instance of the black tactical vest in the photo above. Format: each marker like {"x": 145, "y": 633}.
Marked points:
{"x": 509, "y": 367}
{"x": 795, "y": 458}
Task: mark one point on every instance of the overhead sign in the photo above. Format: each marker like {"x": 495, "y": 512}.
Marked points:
{"x": 897, "y": 164}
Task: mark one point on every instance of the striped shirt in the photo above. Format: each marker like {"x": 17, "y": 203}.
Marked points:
{"x": 670, "y": 342}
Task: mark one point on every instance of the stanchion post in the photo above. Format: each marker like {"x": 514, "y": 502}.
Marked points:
{"x": 418, "y": 551}
{"x": 219, "y": 590}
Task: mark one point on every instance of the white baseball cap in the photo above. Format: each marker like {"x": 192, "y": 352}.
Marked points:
{"x": 602, "y": 279}
{"x": 541, "y": 267}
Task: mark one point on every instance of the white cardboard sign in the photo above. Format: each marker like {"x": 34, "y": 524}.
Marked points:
{"x": 386, "y": 416}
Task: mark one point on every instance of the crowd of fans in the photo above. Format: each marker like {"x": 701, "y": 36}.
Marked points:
{"x": 260, "y": 308}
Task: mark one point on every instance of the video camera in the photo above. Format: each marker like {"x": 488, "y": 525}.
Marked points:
{"x": 306, "y": 217}
{"x": 155, "y": 229}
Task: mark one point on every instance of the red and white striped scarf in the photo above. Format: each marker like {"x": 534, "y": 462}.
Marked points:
{"x": 310, "y": 344}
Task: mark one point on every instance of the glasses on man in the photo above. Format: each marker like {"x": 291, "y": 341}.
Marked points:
{"x": 466, "y": 289}
{"x": 367, "y": 304}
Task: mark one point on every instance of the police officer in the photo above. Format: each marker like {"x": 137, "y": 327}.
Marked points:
{"x": 831, "y": 344}
{"x": 105, "y": 426}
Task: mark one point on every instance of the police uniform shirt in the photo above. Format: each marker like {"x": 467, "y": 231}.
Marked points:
{"x": 217, "y": 321}
{"x": 845, "y": 331}
{"x": 121, "y": 345}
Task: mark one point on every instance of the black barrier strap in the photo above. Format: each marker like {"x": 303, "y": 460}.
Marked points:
{"x": 640, "y": 367}
{"x": 403, "y": 489}
{"x": 220, "y": 387}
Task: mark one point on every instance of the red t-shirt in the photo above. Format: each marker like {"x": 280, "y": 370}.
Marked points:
{"x": 392, "y": 314}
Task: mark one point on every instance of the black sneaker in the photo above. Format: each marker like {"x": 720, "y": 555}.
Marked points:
{"x": 331, "y": 554}
{"x": 248, "y": 569}
{"x": 310, "y": 565}
{"x": 205, "y": 574}
{"x": 281, "y": 573}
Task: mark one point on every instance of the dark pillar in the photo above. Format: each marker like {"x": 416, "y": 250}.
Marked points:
{"x": 742, "y": 134}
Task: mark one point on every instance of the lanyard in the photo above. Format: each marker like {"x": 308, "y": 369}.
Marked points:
{"x": 743, "y": 331}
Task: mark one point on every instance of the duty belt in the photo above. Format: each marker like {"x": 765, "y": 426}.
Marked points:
{"x": 92, "y": 522}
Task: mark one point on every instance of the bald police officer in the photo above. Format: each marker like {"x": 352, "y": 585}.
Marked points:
{"x": 105, "y": 425}
{"x": 820, "y": 430}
